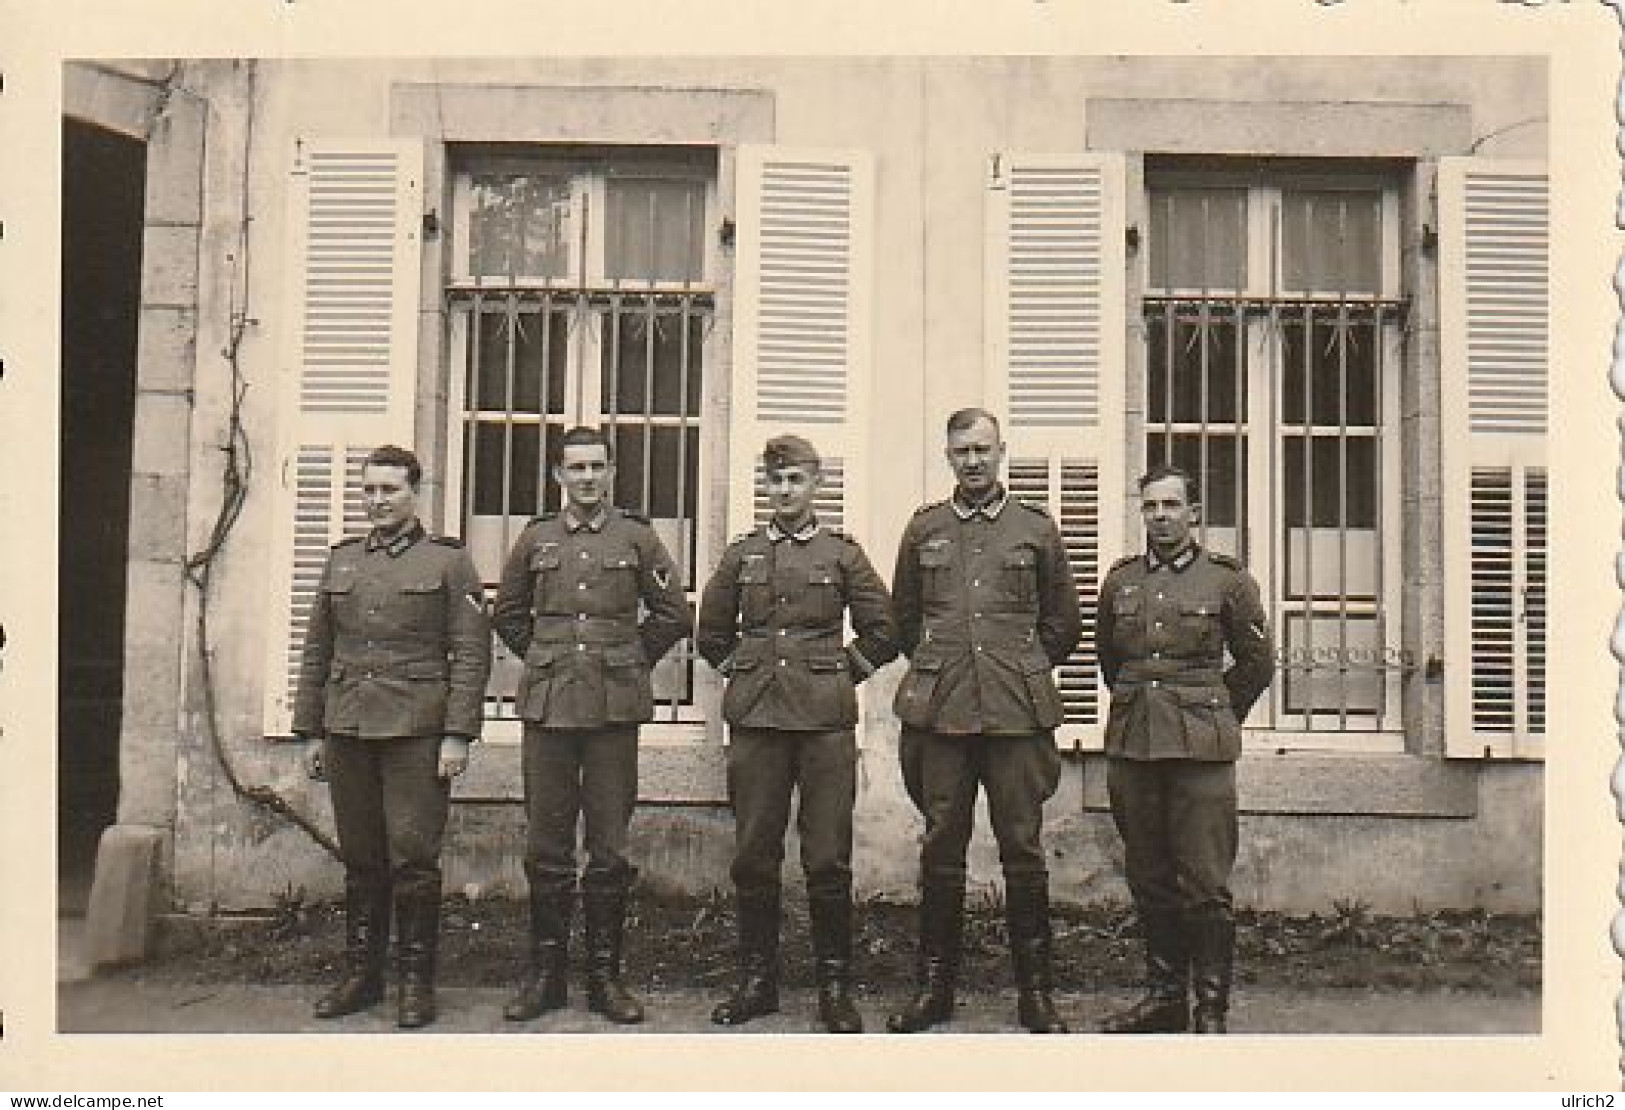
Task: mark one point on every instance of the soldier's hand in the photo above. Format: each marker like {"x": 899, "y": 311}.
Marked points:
{"x": 453, "y": 756}
{"x": 316, "y": 759}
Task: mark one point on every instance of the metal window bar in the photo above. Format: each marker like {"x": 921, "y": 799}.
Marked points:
{"x": 1204, "y": 331}
{"x": 1239, "y": 332}
{"x": 1379, "y": 355}
{"x": 1308, "y": 509}
{"x": 1342, "y": 516}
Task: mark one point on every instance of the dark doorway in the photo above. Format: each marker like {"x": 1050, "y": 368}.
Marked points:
{"x": 103, "y": 183}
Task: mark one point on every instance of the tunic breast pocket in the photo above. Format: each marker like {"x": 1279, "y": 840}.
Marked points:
{"x": 1020, "y": 574}
{"x": 824, "y": 593}
{"x": 618, "y": 571}
{"x": 545, "y": 564}
{"x": 1128, "y": 628}
{"x": 936, "y": 561}
{"x": 1199, "y": 624}
{"x": 339, "y": 592}
{"x": 421, "y": 605}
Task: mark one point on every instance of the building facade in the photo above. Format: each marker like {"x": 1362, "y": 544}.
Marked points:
{"x": 1321, "y": 284}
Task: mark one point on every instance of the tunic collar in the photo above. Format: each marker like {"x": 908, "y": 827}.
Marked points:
{"x": 397, "y": 544}
{"x": 990, "y": 506}
{"x": 1179, "y": 562}
{"x": 594, "y": 523}
{"x": 809, "y": 529}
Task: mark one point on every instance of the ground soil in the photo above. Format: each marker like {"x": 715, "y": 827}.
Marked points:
{"x": 688, "y": 942}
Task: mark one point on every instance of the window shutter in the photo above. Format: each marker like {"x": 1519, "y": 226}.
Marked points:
{"x": 802, "y": 320}
{"x": 1493, "y": 317}
{"x": 1055, "y": 361}
{"x": 351, "y": 342}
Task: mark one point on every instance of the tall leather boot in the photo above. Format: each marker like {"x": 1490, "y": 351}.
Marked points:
{"x": 366, "y": 944}
{"x": 1165, "y": 1007}
{"x": 1213, "y": 944}
{"x": 757, "y": 991}
{"x": 941, "y": 910}
{"x": 831, "y": 914}
{"x": 1027, "y": 918}
{"x": 546, "y": 987}
{"x": 418, "y": 916}
{"x": 606, "y": 920}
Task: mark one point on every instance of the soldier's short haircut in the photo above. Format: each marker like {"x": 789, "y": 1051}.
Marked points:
{"x": 965, "y": 419}
{"x": 585, "y": 435}
{"x": 1168, "y": 470}
{"x": 391, "y": 455}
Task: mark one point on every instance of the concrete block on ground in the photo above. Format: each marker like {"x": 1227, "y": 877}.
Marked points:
{"x": 123, "y": 898}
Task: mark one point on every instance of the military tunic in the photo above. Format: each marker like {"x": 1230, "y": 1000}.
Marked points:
{"x": 569, "y": 605}
{"x": 396, "y": 655}
{"x": 986, "y": 606}
{"x": 771, "y": 619}
{"x": 1174, "y": 731}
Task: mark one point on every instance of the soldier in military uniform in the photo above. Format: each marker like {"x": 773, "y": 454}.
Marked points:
{"x": 569, "y": 606}
{"x": 985, "y": 606}
{"x": 1166, "y": 619}
{"x": 391, "y": 685}
{"x": 771, "y": 621}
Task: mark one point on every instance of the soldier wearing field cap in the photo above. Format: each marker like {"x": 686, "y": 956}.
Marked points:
{"x": 985, "y": 606}
{"x": 771, "y": 619}
{"x": 590, "y": 600}
{"x": 391, "y": 691}
{"x": 1166, "y": 621}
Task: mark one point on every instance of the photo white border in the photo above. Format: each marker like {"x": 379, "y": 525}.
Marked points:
{"x": 1579, "y": 1047}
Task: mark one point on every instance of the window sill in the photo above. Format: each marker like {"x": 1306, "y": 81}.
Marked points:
{"x": 1362, "y": 784}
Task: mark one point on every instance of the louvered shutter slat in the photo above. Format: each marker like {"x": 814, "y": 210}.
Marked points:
{"x": 801, "y": 320}
{"x": 354, "y": 214}
{"x": 1494, "y": 337}
{"x": 1056, "y": 330}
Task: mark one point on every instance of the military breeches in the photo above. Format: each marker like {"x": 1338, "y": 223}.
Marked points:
{"x": 1019, "y": 773}
{"x": 590, "y": 776}
{"x": 764, "y": 767}
{"x": 1177, "y": 818}
{"x": 390, "y": 805}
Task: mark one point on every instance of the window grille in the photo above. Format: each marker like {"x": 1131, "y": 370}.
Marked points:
{"x": 1272, "y": 334}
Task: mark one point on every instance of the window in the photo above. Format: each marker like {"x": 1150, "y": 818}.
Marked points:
{"x": 582, "y": 293}
{"x": 1272, "y": 327}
